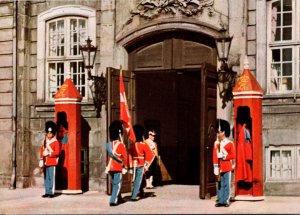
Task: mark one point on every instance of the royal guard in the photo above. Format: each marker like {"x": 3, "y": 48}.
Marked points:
{"x": 49, "y": 153}
{"x": 223, "y": 161}
{"x": 244, "y": 152}
{"x": 62, "y": 137}
{"x": 117, "y": 161}
{"x": 154, "y": 165}
{"x": 140, "y": 159}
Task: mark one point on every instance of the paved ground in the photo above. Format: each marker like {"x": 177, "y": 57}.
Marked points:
{"x": 168, "y": 199}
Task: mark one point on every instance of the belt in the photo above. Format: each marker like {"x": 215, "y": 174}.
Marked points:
{"x": 138, "y": 157}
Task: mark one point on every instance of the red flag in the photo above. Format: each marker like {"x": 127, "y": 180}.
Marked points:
{"x": 124, "y": 112}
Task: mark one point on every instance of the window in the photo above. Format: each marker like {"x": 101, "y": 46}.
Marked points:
{"x": 283, "y": 163}
{"x": 63, "y": 56}
{"x": 60, "y": 32}
{"x": 284, "y": 47}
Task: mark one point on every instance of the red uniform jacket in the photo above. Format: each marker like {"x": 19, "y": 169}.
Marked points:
{"x": 52, "y": 159}
{"x": 228, "y": 150}
{"x": 121, "y": 154}
{"x": 140, "y": 153}
{"x": 244, "y": 156}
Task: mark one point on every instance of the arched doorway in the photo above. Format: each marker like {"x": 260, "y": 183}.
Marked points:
{"x": 171, "y": 86}
{"x": 175, "y": 93}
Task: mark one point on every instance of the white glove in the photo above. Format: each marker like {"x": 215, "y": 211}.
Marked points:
{"x": 45, "y": 153}
{"x": 41, "y": 163}
{"x": 106, "y": 170}
{"x": 219, "y": 154}
{"x": 124, "y": 171}
{"x": 216, "y": 170}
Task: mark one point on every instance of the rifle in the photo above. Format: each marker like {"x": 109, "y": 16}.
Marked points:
{"x": 219, "y": 148}
{"x": 219, "y": 175}
{"x": 44, "y": 159}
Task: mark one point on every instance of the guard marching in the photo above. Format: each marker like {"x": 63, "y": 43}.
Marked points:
{"x": 117, "y": 161}
{"x": 140, "y": 158}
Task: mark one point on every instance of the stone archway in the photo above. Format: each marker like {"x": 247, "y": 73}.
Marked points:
{"x": 167, "y": 67}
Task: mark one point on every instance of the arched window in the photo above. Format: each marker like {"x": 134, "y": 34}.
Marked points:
{"x": 60, "y": 32}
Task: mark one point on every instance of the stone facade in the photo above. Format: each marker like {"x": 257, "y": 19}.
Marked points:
{"x": 118, "y": 24}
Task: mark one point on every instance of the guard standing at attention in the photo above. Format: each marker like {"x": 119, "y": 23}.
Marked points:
{"x": 49, "y": 153}
{"x": 154, "y": 165}
{"x": 223, "y": 161}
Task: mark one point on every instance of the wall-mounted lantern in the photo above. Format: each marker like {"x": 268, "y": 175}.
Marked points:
{"x": 226, "y": 77}
{"x": 98, "y": 83}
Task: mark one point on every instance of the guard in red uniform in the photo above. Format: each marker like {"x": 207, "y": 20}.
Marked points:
{"x": 244, "y": 154}
{"x": 154, "y": 166}
{"x": 140, "y": 158}
{"x": 49, "y": 153}
{"x": 223, "y": 157}
{"x": 117, "y": 161}
{"x": 62, "y": 137}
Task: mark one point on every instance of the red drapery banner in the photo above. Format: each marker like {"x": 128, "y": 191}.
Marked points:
{"x": 124, "y": 112}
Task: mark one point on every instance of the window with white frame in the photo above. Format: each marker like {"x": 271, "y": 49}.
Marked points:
{"x": 284, "y": 46}
{"x": 283, "y": 163}
{"x": 63, "y": 56}
{"x": 60, "y": 32}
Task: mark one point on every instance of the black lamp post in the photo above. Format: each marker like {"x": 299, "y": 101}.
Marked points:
{"x": 226, "y": 77}
{"x": 98, "y": 84}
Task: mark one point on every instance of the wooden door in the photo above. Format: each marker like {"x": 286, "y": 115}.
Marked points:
{"x": 113, "y": 110}
{"x": 207, "y": 137}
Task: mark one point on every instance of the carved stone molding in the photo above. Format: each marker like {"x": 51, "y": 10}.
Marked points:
{"x": 150, "y": 9}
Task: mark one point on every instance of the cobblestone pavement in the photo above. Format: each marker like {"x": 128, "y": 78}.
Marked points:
{"x": 168, "y": 199}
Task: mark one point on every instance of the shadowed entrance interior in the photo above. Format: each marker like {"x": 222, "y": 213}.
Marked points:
{"x": 169, "y": 102}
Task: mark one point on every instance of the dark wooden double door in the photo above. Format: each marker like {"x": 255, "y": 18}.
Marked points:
{"x": 180, "y": 104}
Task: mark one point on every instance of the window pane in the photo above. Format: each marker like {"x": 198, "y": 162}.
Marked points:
{"x": 277, "y": 5}
{"x": 287, "y": 33}
{"x": 287, "y": 19}
{"x": 52, "y": 81}
{"x": 287, "y": 54}
{"x": 286, "y": 164}
{"x": 55, "y": 77}
{"x": 78, "y": 35}
{"x": 78, "y": 76}
{"x": 276, "y": 55}
{"x": 287, "y": 69}
{"x": 287, "y": 5}
{"x": 278, "y": 23}
{"x": 278, "y": 34}
{"x": 275, "y": 164}
{"x": 289, "y": 83}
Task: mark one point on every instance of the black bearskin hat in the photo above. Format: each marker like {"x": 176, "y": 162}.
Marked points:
{"x": 139, "y": 132}
{"x": 115, "y": 128}
{"x": 223, "y": 125}
{"x": 50, "y": 126}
